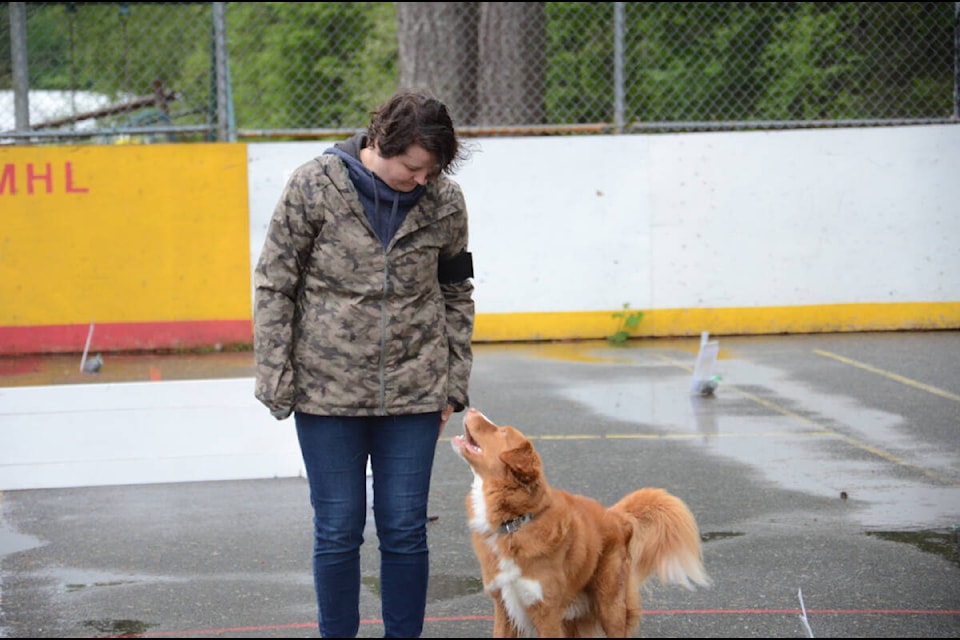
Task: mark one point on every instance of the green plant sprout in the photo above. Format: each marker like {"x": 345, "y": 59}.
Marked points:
{"x": 628, "y": 322}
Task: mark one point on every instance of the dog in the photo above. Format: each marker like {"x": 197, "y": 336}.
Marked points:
{"x": 558, "y": 564}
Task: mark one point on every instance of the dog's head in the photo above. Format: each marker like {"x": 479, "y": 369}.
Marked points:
{"x": 496, "y": 452}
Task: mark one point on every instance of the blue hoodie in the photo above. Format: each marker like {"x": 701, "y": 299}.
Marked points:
{"x": 374, "y": 192}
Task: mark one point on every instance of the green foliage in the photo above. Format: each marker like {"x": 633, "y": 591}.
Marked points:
{"x": 629, "y": 320}
{"x": 786, "y": 60}
{"x": 809, "y": 63}
{"x": 307, "y": 65}
{"x": 579, "y": 62}
{"x": 319, "y": 47}
{"x": 105, "y": 55}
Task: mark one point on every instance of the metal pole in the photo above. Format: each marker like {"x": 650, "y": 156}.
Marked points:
{"x": 956, "y": 60}
{"x": 618, "y": 63}
{"x": 21, "y": 70}
{"x": 220, "y": 70}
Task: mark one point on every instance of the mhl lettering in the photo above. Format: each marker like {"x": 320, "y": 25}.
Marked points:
{"x": 37, "y": 179}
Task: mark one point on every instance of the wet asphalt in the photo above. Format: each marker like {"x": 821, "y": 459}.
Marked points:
{"x": 824, "y": 472}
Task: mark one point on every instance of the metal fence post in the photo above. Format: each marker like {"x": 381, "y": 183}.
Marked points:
{"x": 21, "y": 70}
{"x": 618, "y": 63}
{"x": 956, "y": 61}
{"x": 224, "y": 129}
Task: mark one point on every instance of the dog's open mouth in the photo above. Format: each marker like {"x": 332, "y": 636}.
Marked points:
{"x": 466, "y": 441}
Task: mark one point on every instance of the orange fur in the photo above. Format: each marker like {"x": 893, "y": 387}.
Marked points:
{"x": 565, "y": 565}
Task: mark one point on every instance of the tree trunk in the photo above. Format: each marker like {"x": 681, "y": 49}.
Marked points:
{"x": 438, "y": 50}
{"x": 512, "y": 63}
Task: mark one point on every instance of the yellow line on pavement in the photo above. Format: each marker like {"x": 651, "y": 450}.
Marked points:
{"x": 816, "y": 429}
{"x": 821, "y": 430}
{"x": 887, "y": 374}
{"x": 677, "y": 436}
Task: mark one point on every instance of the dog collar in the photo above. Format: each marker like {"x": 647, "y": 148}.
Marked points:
{"x": 512, "y": 525}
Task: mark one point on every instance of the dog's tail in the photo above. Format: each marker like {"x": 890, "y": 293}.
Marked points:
{"x": 665, "y": 540}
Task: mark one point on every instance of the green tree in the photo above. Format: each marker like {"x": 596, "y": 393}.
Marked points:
{"x": 304, "y": 65}
{"x": 579, "y": 62}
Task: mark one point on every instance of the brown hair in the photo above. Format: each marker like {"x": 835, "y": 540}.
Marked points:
{"x": 414, "y": 116}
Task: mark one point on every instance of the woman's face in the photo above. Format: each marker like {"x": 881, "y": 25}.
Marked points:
{"x": 415, "y": 166}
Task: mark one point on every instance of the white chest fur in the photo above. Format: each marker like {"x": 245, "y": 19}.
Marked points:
{"x": 515, "y": 592}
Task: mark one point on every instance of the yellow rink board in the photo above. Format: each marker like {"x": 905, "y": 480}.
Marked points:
{"x": 827, "y": 318}
{"x": 152, "y": 243}
{"x": 123, "y": 234}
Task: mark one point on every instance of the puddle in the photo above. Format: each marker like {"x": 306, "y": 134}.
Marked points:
{"x": 56, "y": 369}
{"x": 14, "y": 542}
{"x": 944, "y": 543}
{"x": 119, "y": 628}
{"x": 73, "y": 580}
{"x": 797, "y": 438}
{"x": 941, "y": 543}
{"x": 80, "y": 586}
{"x": 708, "y": 536}
{"x": 440, "y": 587}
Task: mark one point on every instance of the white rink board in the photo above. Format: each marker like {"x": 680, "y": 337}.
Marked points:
{"x": 695, "y": 220}
{"x": 141, "y": 433}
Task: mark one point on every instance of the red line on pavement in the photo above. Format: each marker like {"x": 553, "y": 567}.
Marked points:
{"x": 651, "y": 612}
{"x": 924, "y": 612}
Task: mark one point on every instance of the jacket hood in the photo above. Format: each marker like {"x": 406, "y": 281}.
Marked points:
{"x": 375, "y": 193}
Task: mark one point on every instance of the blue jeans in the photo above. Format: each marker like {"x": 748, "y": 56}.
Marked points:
{"x": 401, "y": 451}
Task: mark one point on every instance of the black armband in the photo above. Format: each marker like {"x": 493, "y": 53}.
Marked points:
{"x": 455, "y": 269}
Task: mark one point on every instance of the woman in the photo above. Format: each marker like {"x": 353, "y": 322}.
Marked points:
{"x": 363, "y": 320}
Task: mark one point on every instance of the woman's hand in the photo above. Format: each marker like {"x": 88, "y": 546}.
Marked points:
{"x": 444, "y": 416}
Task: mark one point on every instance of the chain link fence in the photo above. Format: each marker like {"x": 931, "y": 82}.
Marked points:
{"x": 151, "y": 72}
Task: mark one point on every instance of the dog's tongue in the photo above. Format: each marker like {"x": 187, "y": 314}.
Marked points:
{"x": 468, "y": 440}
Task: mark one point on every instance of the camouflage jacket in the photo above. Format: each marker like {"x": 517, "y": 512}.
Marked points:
{"x": 345, "y": 327}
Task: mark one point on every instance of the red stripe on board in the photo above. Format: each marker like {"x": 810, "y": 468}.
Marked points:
{"x": 125, "y": 336}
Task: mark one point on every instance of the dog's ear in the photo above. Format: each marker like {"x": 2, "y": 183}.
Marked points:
{"x": 523, "y": 462}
